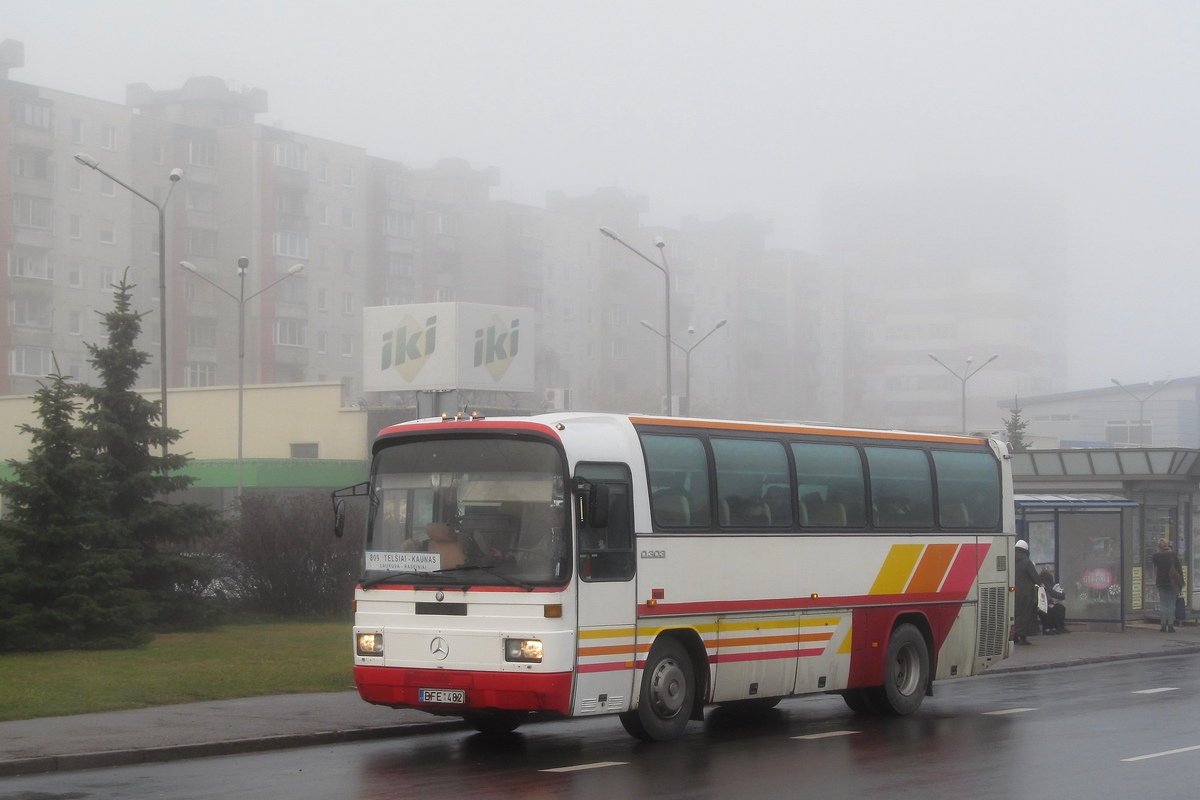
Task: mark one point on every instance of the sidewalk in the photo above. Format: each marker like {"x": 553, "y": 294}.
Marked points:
{"x": 258, "y": 724}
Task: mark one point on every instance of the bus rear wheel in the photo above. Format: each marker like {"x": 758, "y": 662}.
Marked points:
{"x": 906, "y": 674}
{"x": 667, "y": 693}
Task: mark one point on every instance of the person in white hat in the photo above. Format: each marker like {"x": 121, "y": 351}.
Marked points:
{"x": 1025, "y": 578}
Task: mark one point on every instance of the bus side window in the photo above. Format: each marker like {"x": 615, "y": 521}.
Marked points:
{"x": 606, "y": 554}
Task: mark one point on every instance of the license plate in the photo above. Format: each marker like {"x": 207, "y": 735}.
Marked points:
{"x": 442, "y": 696}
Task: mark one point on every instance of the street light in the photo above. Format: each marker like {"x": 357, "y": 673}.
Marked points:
{"x": 660, "y": 244}
{"x": 1141, "y": 401}
{"x": 241, "y": 298}
{"x": 176, "y": 175}
{"x": 687, "y": 363}
{"x": 967, "y": 374}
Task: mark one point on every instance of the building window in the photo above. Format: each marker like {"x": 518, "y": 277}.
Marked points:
{"x": 157, "y": 153}
{"x": 618, "y": 348}
{"x": 34, "y": 362}
{"x": 201, "y": 198}
{"x": 76, "y": 130}
{"x": 322, "y": 342}
{"x": 323, "y": 213}
{"x": 108, "y": 280}
{"x": 108, "y": 233}
{"x": 76, "y": 179}
{"x": 618, "y": 316}
{"x": 32, "y": 312}
{"x": 108, "y": 136}
{"x": 292, "y": 155}
{"x": 32, "y": 115}
{"x": 347, "y": 345}
{"x": 33, "y": 212}
{"x": 202, "y": 242}
{"x": 108, "y": 187}
{"x": 75, "y": 323}
{"x": 305, "y": 449}
{"x": 202, "y": 154}
{"x": 400, "y": 265}
{"x": 347, "y": 302}
{"x": 75, "y": 276}
{"x": 76, "y": 226}
{"x": 348, "y": 218}
{"x": 27, "y": 265}
{"x": 202, "y": 332}
{"x": 445, "y": 294}
{"x": 34, "y": 167}
{"x": 348, "y": 177}
{"x": 321, "y": 300}
{"x": 347, "y": 261}
{"x": 323, "y": 170}
{"x": 294, "y": 245}
{"x": 201, "y": 373}
{"x": 291, "y": 332}
{"x": 397, "y": 224}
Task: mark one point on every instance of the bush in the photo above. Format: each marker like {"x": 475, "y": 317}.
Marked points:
{"x": 281, "y": 558}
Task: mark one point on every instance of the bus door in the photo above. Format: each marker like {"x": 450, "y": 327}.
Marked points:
{"x": 607, "y": 601}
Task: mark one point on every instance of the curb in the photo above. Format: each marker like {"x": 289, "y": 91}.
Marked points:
{"x": 157, "y": 755}
{"x": 1001, "y": 669}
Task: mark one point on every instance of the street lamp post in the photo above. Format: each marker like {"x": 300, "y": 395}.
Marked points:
{"x": 966, "y": 375}
{"x": 660, "y": 244}
{"x": 176, "y": 174}
{"x": 687, "y": 373}
{"x": 241, "y": 299}
{"x": 1141, "y": 401}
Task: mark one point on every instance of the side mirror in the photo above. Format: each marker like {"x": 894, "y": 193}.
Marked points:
{"x": 339, "y": 518}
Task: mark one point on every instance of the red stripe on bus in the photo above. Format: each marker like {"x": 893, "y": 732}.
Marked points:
{"x": 661, "y": 609}
{"x": 965, "y": 569}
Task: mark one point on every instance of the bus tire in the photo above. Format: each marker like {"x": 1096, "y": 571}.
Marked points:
{"x": 667, "y": 693}
{"x": 494, "y": 722}
{"x": 906, "y": 673}
{"x": 859, "y": 701}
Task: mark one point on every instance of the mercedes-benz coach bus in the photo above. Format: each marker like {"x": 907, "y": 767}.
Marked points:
{"x": 576, "y": 564}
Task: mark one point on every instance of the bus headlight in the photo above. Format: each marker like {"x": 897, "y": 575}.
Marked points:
{"x": 527, "y": 650}
{"x": 370, "y": 644}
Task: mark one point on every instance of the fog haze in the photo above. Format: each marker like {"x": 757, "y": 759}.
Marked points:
{"x": 711, "y": 108}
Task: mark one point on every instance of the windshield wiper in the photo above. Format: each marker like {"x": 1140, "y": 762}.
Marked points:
{"x": 388, "y": 577}
{"x": 489, "y": 570}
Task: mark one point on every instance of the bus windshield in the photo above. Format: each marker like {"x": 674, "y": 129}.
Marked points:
{"x": 476, "y": 511}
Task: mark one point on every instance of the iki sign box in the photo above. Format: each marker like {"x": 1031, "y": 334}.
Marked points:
{"x": 445, "y": 346}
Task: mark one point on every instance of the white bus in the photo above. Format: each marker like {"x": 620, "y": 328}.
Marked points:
{"x": 578, "y": 564}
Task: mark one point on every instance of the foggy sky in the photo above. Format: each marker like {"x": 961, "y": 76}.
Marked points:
{"x": 711, "y": 108}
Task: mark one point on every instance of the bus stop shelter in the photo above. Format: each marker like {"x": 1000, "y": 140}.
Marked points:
{"x": 1083, "y": 538}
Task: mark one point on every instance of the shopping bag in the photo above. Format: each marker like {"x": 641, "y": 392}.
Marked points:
{"x": 1043, "y": 602}
{"x": 1180, "y": 609}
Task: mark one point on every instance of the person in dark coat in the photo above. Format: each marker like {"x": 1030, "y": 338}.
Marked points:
{"x": 1025, "y": 582}
{"x": 1054, "y": 621}
{"x": 1168, "y": 579}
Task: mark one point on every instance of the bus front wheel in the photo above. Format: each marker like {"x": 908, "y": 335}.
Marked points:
{"x": 667, "y": 693}
{"x": 494, "y": 722}
{"x": 906, "y": 673}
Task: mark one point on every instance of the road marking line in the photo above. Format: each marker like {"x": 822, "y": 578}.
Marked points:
{"x": 1164, "y": 753}
{"x": 827, "y": 735}
{"x": 578, "y": 767}
{"x": 1156, "y": 691}
{"x": 1003, "y": 711}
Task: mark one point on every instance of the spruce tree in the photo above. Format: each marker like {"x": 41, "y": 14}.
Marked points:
{"x": 126, "y": 438}
{"x": 1015, "y": 426}
{"x": 65, "y": 568}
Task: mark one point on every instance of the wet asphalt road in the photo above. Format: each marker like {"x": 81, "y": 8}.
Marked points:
{"x": 1125, "y": 729}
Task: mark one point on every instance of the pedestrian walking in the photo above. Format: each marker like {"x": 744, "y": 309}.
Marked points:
{"x": 1026, "y": 580}
{"x": 1168, "y": 578}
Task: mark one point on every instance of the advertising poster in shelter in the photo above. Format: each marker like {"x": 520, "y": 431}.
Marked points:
{"x": 446, "y": 346}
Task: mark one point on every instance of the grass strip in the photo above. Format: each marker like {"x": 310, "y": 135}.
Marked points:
{"x": 242, "y": 660}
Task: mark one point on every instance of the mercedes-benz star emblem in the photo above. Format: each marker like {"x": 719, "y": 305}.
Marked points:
{"x": 439, "y": 648}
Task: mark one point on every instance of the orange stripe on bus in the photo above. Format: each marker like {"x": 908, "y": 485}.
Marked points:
{"x": 675, "y": 422}
{"x": 897, "y": 567}
{"x": 932, "y": 569}
{"x": 606, "y": 650}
